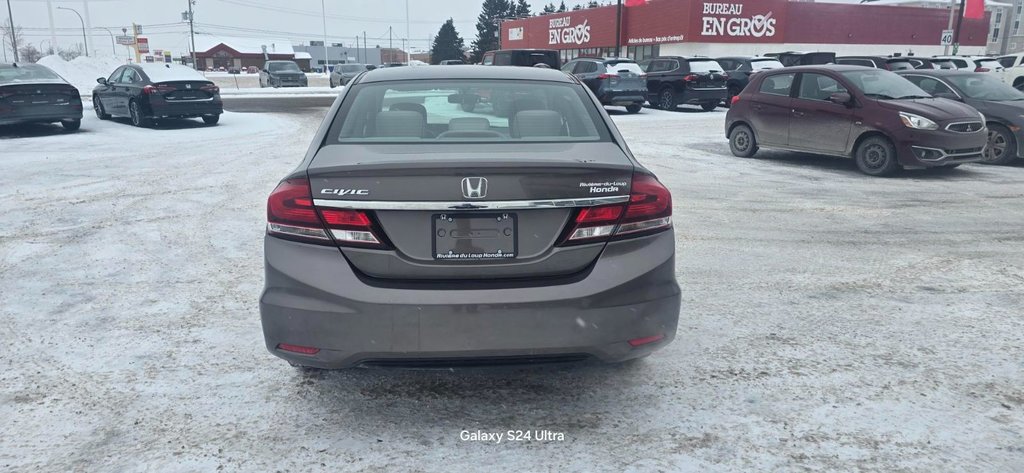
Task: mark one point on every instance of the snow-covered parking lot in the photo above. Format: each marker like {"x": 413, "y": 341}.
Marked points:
{"x": 831, "y": 321}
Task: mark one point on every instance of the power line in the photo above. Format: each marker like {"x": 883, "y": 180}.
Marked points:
{"x": 296, "y": 11}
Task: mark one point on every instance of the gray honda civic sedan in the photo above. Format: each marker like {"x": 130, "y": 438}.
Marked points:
{"x": 417, "y": 233}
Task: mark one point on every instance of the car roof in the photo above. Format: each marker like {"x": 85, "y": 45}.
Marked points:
{"x": 468, "y": 72}
{"x": 686, "y": 58}
{"x": 821, "y": 67}
{"x": 939, "y": 72}
{"x": 865, "y": 57}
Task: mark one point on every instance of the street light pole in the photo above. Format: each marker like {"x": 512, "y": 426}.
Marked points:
{"x": 14, "y": 38}
{"x": 327, "y": 60}
{"x": 85, "y": 41}
{"x": 113, "y": 49}
{"x": 192, "y": 34}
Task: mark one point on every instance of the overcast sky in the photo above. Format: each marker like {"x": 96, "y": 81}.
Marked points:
{"x": 295, "y": 20}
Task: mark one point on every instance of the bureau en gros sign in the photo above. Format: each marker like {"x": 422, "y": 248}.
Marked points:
{"x": 563, "y": 32}
{"x": 729, "y": 19}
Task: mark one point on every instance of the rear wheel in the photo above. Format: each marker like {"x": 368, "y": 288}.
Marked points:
{"x": 635, "y": 108}
{"x": 667, "y": 100}
{"x": 742, "y": 142}
{"x": 1002, "y": 147}
{"x": 71, "y": 125}
{"x": 211, "y": 119}
{"x": 709, "y": 106}
{"x": 97, "y": 106}
{"x": 876, "y": 156}
{"x": 136, "y": 115}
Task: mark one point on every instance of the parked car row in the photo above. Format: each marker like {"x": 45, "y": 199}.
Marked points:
{"x": 921, "y": 118}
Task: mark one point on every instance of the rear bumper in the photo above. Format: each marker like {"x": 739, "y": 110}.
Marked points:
{"x": 622, "y": 97}
{"x": 49, "y": 116}
{"x": 927, "y": 149}
{"x": 313, "y": 298}
{"x": 186, "y": 109}
{"x": 697, "y": 96}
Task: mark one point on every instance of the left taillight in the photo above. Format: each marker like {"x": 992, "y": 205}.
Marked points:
{"x": 211, "y": 88}
{"x": 648, "y": 210}
{"x": 292, "y": 215}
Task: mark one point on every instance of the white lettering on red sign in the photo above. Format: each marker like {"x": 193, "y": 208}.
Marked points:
{"x": 726, "y": 19}
{"x": 562, "y": 32}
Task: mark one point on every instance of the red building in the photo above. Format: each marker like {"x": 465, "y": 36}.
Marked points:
{"x": 743, "y": 27}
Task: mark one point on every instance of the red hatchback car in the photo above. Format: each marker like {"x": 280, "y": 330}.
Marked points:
{"x": 878, "y": 118}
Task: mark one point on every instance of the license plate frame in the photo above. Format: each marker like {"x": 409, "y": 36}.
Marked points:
{"x": 505, "y": 233}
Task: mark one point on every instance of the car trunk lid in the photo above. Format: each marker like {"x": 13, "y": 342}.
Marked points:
{"x": 186, "y": 91}
{"x": 447, "y": 214}
{"x": 38, "y": 97}
{"x": 626, "y": 76}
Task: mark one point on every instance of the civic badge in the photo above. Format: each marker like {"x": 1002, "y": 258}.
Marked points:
{"x": 474, "y": 187}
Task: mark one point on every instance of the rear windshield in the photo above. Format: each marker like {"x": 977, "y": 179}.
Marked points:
{"x": 492, "y": 111}
{"x": 283, "y": 67}
{"x": 943, "y": 64}
{"x": 631, "y": 67}
{"x": 900, "y": 65}
{"x": 760, "y": 64}
{"x": 991, "y": 64}
{"x": 705, "y": 66}
{"x": 27, "y": 73}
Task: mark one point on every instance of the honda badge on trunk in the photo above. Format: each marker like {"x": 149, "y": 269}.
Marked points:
{"x": 474, "y": 187}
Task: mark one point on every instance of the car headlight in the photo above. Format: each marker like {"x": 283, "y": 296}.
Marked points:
{"x": 917, "y": 122}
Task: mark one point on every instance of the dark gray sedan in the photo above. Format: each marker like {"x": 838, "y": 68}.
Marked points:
{"x": 31, "y": 93}
{"x": 415, "y": 233}
{"x": 343, "y": 73}
{"x": 1002, "y": 105}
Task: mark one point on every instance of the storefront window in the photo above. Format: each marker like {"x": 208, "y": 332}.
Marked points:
{"x": 639, "y": 53}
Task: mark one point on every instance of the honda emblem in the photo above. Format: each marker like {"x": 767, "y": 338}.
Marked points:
{"x": 474, "y": 187}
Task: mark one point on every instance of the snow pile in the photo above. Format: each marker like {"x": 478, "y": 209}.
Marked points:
{"x": 82, "y": 71}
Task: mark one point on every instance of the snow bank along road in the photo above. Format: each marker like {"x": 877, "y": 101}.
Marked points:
{"x": 831, "y": 321}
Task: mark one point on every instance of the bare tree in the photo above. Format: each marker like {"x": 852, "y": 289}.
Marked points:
{"x": 29, "y": 53}
{"x": 5, "y": 30}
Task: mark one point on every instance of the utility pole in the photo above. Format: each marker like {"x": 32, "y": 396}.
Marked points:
{"x": 391, "y": 47}
{"x": 53, "y": 31}
{"x": 407, "y": 30}
{"x": 364, "y": 43}
{"x": 959, "y": 25}
{"x": 618, "y": 30}
{"x": 192, "y": 33}
{"x": 952, "y": 4}
{"x": 14, "y": 38}
{"x": 357, "y": 51}
{"x": 88, "y": 22}
{"x": 323, "y": 9}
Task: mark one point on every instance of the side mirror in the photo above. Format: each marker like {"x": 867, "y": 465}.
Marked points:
{"x": 841, "y": 98}
{"x": 102, "y": 80}
{"x": 370, "y": 67}
{"x": 947, "y": 95}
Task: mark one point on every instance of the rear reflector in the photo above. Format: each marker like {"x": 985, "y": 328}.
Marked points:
{"x": 300, "y": 349}
{"x": 636, "y": 342}
{"x": 735, "y": 98}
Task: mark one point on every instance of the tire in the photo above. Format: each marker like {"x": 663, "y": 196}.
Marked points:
{"x": 742, "y": 141}
{"x": 137, "y": 118}
{"x": 876, "y": 156}
{"x": 634, "y": 109}
{"x": 709, "y": 106}
{"x": 211, "y": 119}
{"x": 1001, "y": 148}
{"x": 71, "y": 125}
{"x": 667, "y": 100}
{"x": 97, "y": 106}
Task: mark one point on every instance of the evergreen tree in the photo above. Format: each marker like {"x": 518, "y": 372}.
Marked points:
{"x": 593, "y": 4}
{"x": 487, "y": 29}
{"x": 549, "y": 8}
{"x": 577, "y": 7}
{"x": 520, "y": 9}
{"x": 447, "y": 44}
{"x": 562, "y": 8}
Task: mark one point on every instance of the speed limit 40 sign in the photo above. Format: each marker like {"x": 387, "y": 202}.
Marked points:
{"x": 947, "y": 38}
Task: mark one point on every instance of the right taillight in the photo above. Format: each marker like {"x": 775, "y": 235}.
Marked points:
{"x": 648, "y": 210}
{"x": 292, "y": 215}
{"x": 735, "y": 98}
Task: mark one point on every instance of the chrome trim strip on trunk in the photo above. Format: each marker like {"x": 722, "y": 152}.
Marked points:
{"x": 477, "y": 205}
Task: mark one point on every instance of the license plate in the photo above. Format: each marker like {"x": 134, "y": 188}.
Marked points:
{"x": 474, "y": 237}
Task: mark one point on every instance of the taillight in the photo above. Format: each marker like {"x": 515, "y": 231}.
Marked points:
{"x": 649, "y": 209}
{"x": 608, "y": 76}
{"x": 211, "y": 88}
{"x": 161, "y": 89}
{"x": 292, "y": 215}
{"x": 735, "y": 98}
{"x": 982, "y": 69}
{"x": 691, "y": 77}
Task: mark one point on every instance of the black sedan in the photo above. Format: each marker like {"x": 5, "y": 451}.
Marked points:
{"x": 30, "y": 93}
{"x": 147, "y": 92}
{"x": 1002, "y": 105}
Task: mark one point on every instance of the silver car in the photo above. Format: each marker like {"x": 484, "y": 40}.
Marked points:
{"x": 343, "y": 73}
{"x": 415, "y": 233}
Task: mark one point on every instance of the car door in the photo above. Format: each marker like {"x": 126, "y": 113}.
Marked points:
{"x": 130, "y": 86}
{"x": 655, "y": 71}
{"x": 587, "y": 72}
{"x": 121, "y": 90}
{"x": 105, "y": 92}
{"x": 817, "y": 124}
{"x": 770, "y": 109}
